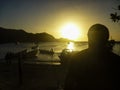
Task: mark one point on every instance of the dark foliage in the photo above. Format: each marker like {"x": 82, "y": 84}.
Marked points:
{"x": 115, "y": 16}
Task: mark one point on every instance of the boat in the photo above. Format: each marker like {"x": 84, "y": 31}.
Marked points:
{"x": 35, "y": 47}
{"x": 30, "y": 54}
{"x": 22, "y": 54}
{"x": 48, "y": 52}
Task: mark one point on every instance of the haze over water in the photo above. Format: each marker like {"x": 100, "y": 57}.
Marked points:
{"x": 56, "y": 46}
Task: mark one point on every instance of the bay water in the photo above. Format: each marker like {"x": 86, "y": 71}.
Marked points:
{"x": 56, "y": 46}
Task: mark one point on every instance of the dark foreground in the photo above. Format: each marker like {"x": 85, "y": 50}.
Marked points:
{"x": 33, "y": 77}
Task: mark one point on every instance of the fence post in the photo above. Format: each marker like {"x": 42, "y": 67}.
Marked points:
{"x": 20, "y": 74}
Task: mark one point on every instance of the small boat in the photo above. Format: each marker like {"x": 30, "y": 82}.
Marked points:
{"x": 23, "y": 54}
{"x": 10, "y": 55}
{"x": 30, "y": 54}
{"x": 48, "y": 52}
{"x": 35, "y": 47}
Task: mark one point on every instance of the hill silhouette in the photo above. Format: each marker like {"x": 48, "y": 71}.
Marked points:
{"x": 14, "y": 35}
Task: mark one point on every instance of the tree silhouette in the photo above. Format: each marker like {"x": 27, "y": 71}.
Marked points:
{"x": 115, "y": 16}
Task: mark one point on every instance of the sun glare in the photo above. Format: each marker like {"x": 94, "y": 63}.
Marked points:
{"x": 70, "y": 46}
{"x": 70, "y": 31}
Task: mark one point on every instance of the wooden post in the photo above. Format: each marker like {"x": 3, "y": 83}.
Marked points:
{"x": 20, "y": 74}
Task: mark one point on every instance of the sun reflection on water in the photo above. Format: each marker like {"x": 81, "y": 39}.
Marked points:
{"x": 70, "y": 46}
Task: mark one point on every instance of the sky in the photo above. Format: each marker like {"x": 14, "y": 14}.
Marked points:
{"x": 36, "y": 16}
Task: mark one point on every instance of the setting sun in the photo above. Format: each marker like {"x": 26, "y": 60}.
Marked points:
{"x": 70, "y": 31}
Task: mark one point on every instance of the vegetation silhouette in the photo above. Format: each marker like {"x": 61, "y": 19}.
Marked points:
{"x": 115, "y": 16}
{"x": 95, "y": 68}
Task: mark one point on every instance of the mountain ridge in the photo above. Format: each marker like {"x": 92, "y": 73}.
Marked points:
{"x": 20, "y": 35}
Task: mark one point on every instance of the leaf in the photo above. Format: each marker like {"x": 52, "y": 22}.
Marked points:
{"x": 119, "y": 7}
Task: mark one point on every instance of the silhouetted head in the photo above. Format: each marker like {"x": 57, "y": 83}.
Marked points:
{"x": 98, "y": 35}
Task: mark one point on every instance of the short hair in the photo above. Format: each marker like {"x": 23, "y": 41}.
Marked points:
{"x": 98, "y": 32}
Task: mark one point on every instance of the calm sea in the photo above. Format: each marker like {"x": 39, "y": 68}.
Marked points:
{"x": 56, "y": 46}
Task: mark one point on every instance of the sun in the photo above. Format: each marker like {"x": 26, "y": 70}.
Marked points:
{"x": 70, "y": 31}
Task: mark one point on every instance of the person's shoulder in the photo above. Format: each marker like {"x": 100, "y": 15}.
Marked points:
{"x": 77, "y": 58}
{"x": 80, "y": 54}
{"x": 115, "y": 57}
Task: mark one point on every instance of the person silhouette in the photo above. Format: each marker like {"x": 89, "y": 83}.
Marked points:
{"x": 95, "y": 68}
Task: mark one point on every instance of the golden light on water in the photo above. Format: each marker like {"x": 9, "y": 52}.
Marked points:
{"x": 70, "y": 46}
{"x": 70, "y": 31}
